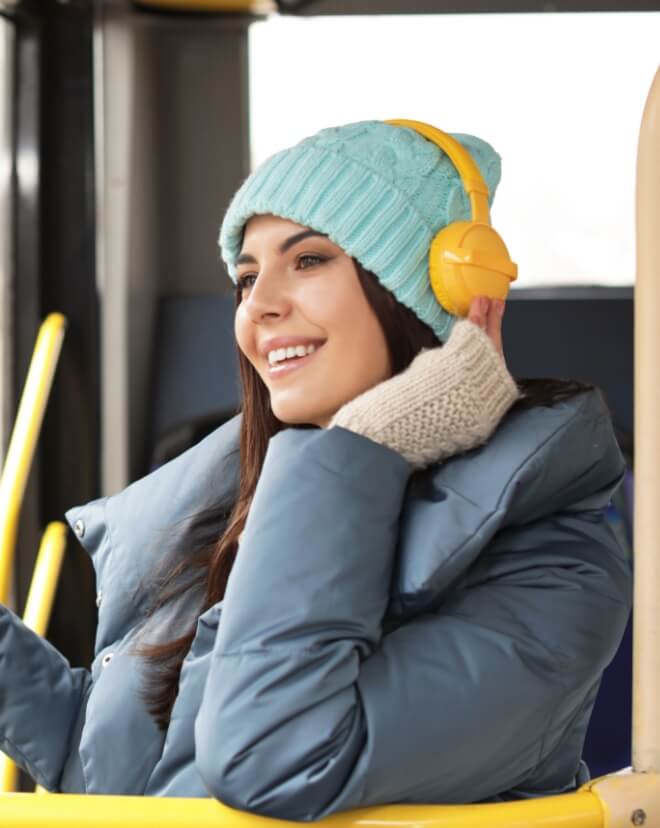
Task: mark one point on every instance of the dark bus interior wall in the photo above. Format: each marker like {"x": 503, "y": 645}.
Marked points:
{"x": 54, "y": 270}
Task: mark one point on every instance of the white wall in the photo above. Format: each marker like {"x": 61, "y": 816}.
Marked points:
{"x": 559, "y": 96}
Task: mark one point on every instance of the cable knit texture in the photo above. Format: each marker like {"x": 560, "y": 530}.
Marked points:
{"x": 449, "y": 399}
{"x": 380, "y": 192}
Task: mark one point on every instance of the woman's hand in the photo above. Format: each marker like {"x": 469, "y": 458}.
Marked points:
{"x": 450, "y": 399}
{"x": 487, "y": 314}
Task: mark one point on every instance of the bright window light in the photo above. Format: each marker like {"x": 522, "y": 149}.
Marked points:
{"x": 559, "y": 96}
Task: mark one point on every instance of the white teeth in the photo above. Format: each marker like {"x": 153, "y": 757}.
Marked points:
{"x": 280, "y": 354}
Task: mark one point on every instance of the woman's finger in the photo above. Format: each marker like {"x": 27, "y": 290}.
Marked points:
{"x": 478, "y": 312}
{"x": 494, "y": 324}
{"x": 487, "y": 314}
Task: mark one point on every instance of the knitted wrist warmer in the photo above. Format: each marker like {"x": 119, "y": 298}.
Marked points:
{"x": 449, "y": 399}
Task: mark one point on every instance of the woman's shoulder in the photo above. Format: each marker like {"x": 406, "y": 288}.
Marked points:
{"x": 541, "y": 462}
{"x": 540, "y": 458}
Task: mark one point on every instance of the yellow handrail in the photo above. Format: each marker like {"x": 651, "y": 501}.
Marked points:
{"x": 44, "y": 578}
{"x": 576, "y": 810}
{"x": 24, "y": 440}
{"x": 37, "y": 612}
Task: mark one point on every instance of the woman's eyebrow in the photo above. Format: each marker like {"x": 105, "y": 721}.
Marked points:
{"x": 245, "y": 258}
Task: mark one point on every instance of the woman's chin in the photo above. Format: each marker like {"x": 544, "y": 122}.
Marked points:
{"x": 302, "y": 415}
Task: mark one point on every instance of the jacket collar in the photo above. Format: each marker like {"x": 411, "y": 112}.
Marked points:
{"x": 540, "y": 462}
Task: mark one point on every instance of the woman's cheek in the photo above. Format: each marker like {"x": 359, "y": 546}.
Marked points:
{"x": 244, "y": 334}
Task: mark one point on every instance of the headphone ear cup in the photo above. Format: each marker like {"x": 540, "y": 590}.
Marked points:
{"x": 468, "y": 259}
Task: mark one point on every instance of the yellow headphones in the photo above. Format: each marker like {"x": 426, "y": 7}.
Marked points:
{"x": 467, "y": 258}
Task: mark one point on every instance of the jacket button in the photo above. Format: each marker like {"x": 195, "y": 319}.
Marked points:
{"x": 107, "y": 658}
{"x": 99, "y": 599}
{"x": 79, "y": 529}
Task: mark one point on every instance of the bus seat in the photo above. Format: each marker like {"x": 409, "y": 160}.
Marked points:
{"x": 195, "y": 376}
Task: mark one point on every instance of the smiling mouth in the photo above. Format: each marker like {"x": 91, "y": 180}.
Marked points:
{"x": 287, "y": 366}
{"x": 284, "y": 354}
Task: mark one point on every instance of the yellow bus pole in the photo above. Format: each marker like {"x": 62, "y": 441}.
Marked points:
{"x": 23, "y": 440}
{"x": 45, "y": 577}
{"x": 646, "y": 643}
{"x": 634, "y": 798}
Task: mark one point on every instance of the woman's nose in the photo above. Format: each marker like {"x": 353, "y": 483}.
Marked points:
{"x": 267, "y": 298}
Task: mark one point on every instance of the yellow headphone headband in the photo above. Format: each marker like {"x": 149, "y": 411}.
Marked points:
{"x": 466, "y": 258}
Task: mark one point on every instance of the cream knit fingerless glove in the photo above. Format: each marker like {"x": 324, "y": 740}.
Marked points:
{"x": 449, "y": 399}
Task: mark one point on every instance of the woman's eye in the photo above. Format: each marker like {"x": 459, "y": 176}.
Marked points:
{"x": 305, "y": 261}
{"x": 246, "y": 280}
{"x": 315, "y": 259}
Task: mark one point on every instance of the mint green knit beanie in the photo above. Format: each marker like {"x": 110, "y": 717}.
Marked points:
{"x": 378, "y": 191}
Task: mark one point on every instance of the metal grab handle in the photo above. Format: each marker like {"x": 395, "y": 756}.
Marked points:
{"x": 24, "y": 437}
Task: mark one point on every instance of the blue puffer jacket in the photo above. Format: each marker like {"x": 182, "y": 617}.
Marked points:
{"x": 385, "y": 637}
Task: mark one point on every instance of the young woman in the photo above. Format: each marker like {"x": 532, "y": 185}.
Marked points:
{"x": 390, "y": 579}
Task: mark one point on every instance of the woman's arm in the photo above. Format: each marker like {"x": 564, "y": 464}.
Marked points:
{"x": 41, "y": 697}
{"x": 307, "y": 710}
{"x": 280, "y": 727}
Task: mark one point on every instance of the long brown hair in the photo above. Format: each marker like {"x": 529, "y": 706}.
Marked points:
{"x": 209, "y": 565}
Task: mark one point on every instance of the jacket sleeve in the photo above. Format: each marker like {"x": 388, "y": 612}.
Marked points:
{"x": 308, "y": 709}
{"x": 41, "y": 697}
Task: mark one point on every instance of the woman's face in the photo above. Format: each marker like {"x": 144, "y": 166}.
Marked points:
{"x": 300, "y": 291}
